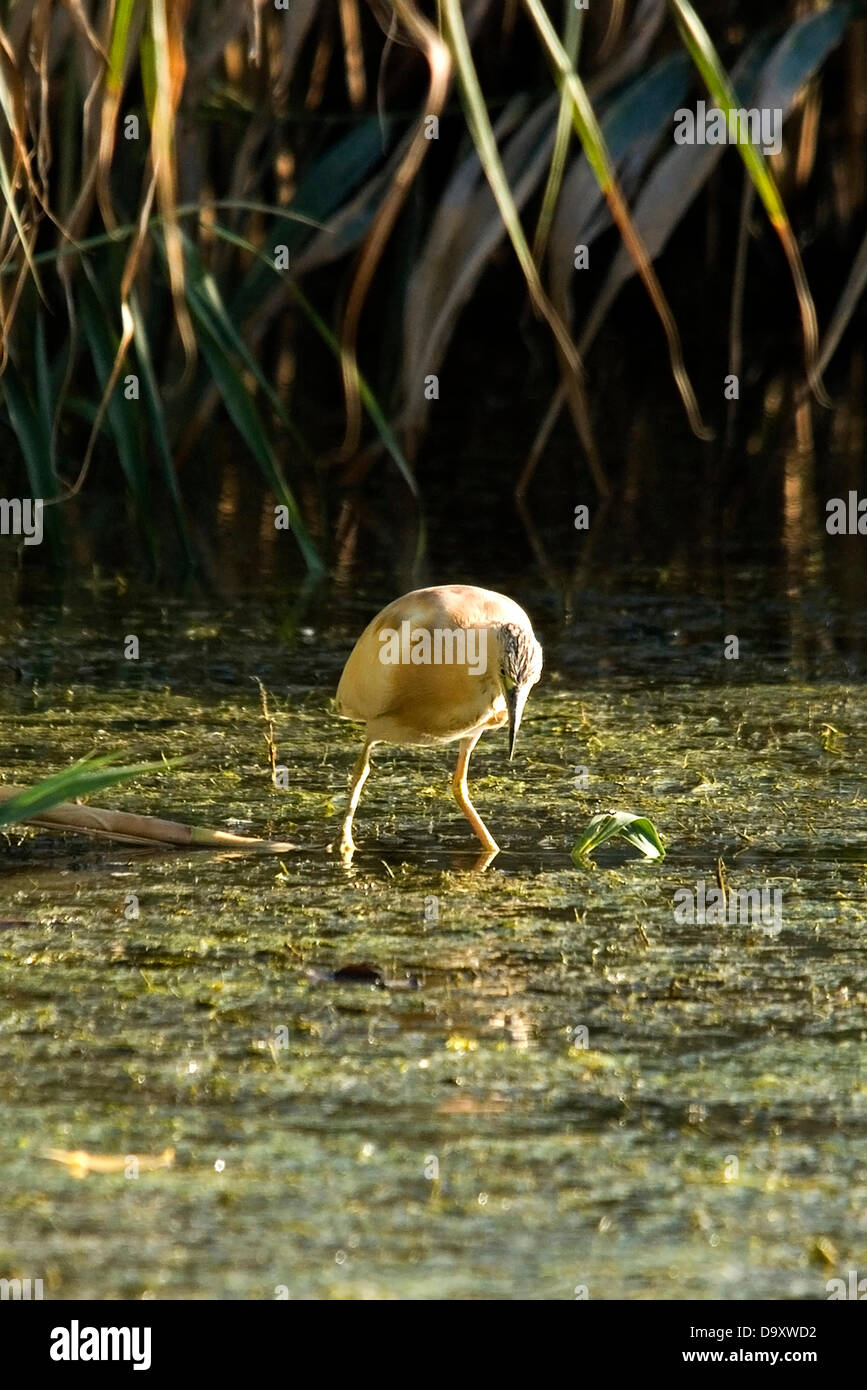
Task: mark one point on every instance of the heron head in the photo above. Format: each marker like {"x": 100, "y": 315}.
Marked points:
{"x": 520, "y": 668}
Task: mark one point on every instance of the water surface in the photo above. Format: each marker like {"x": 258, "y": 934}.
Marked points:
{"x": 531, "y": 1080}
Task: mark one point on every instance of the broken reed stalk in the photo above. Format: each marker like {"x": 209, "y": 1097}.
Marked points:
{"x": 145, "y": 830}
{"x": 269, "y": 731}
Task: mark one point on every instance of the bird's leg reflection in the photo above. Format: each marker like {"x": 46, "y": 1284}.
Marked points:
{"x": 485, "y": 859}
{"x": 458, "y": 860}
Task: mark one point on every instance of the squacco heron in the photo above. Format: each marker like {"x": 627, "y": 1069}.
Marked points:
{"x": 437, "y": 666}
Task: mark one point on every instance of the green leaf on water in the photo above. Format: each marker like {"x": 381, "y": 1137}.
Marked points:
{"x": 613, "y": 825}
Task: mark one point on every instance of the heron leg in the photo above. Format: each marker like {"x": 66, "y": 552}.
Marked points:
{"x": 461, "y": 795}
{"x": 359, "y": 777}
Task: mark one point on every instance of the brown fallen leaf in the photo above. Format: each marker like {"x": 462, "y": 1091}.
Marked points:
{"x": 824, "y": 1252}
{"x": 362, "y": 972}
{"x": 466, "y": 1105}
{"x": 80, "y": 1162}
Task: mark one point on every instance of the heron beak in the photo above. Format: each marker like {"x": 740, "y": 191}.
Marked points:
{"x": 516, "y": 698}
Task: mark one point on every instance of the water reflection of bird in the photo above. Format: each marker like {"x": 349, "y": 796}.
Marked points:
{"x": 435, "y": 666}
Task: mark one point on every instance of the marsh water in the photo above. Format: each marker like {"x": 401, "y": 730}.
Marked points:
{"x": 408, "y": 1077}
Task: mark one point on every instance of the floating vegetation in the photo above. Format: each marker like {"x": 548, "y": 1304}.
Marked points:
{"x": 619, "y": 825}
